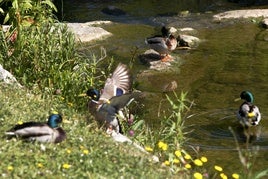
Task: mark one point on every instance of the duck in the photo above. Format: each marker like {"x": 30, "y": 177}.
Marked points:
{"x": 48, "y": 132}
{"x": 248, "y": 114}
{"x": 106, "y": 105}
{"x": 163, "y": 44}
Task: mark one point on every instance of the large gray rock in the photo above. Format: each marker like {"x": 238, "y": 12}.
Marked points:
{"x": 86, "y": 32}
{"x": 253, "y": 13}
{"x": 265, "y": 23}
{"x": 7, "y": 77}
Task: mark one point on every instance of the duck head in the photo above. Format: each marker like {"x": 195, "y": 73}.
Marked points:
{"x": 54, "y": 120}
{"x": 93, "y": 94}
{"x": 247, "y": 96}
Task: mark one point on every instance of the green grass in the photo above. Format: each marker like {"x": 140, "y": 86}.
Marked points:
{"x": 88, "y": 150}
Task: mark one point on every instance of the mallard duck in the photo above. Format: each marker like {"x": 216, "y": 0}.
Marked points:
{"x": 163, "y": 44}
{"x": 106, "y": 106}
{"x": 42, "y": 132}
{"x": 248, "y": 114}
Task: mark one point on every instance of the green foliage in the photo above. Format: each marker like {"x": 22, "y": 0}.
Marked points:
{"x": 43, "y": 55}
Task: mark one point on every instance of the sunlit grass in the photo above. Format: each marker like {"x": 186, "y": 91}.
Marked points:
{"x": 87, "y": 151}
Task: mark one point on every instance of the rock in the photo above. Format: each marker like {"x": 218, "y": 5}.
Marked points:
{"x": 153, "y": 59}
{"x": 254, "y": 13}
{"x": 114, "y": 11}
{"x": 265, "y": 23}
{"x": 7, "y": 77}
{"x": 171, "y": 86}
{"x": 187, "y": 41}
{"x": 86, "y": 33}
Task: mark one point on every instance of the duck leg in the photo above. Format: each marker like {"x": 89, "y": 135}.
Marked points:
{"x": 166, "y": 58}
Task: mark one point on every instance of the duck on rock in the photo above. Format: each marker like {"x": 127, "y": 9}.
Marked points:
{"x": 163, "y": 44}
{"x": 48, "y": 132}
{"x": 106, "y": 105}
{"x": 248, "y": 113}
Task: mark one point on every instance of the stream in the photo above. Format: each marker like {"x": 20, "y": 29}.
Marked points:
{"x": 232, "y": 57}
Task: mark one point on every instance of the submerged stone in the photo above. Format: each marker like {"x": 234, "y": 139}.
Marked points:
{"x": 114, "y": 11}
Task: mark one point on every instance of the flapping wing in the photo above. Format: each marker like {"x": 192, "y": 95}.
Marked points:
{"x": 118, "y": 84}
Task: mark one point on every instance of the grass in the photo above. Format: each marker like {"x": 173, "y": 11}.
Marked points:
{"x": 86, "y": 153}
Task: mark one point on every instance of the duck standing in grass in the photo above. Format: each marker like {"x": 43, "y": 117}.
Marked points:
{"x": 106, "y": 106}
{"x": 163, "y": 44}
{"x": 48, "y": 132}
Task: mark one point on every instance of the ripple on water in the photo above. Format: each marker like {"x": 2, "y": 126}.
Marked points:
{"x": 211, "y": 131}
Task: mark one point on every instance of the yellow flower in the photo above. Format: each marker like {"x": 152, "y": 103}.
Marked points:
{"x": 20, "y": 122}
{"x": 165, "y": 147}
{"x": 223, "y": 176}
{"x": 167, "y": 163}
{"x": 66, "y": 166}
{"x": 235, "y": 176}
{"x": 68, "y": 151}
{"x": 187, "y": 156}
{"x": 178, "y": 153}
{"x": 218, "y": 168}
{"x": 10, "y": 168}
{"x": 204, "y": 159}
{"x": 188, "y": 166}
{"x": 149, "y": 149}
{"x": 40, "y": 165}
{"x": 198, "y": 175}
{"x": 198, "y": 162}
{"x": 162, "y": 145}
{"x": 70, "y": 104}
{"x": 54, "y": 112}
{"x": 176, "y": 161}
{"x": 81, "y": 147}
{"x": 85, "y": 151}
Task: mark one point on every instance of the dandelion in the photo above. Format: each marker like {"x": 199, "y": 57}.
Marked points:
{"x": 223, "y": 176}
{"x": 218, "y": 168}
{"x": 198, "y": 162}
{"x": 66, "y": 166}
{"x": 149, "y": 149}
{"x": 235, "y": 176}
{"x": 187, "y": 157}
{"x": 204, "y": 159}
{"x": 198, "y": 175}
{"x": 20, "y": 122}
{"x": 10, "y": 168}
{"x": 70, "y": 104}
{"x": 81, "y": 147}
{"x": 188, "y": 166}
{"x": 162, "y": 145}
{"x": 165, "y": 147}
{"x": 68, "y": 151}
{"x": 40, "y": 165}
{"x": 167, "y": 163}
{"x": 85, "y": 152}
{"x": 176, "y": 161}
{"x": 178, "y": 153}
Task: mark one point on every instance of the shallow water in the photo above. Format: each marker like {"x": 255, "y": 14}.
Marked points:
{"x": 232, "y": 57}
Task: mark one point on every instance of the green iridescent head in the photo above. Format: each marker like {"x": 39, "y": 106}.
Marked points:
{"x": 247, "y": 96}
{"x": 54, "y": 120}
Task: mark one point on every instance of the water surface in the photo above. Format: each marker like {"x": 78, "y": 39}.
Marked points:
{"x": 232, "y": 57}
